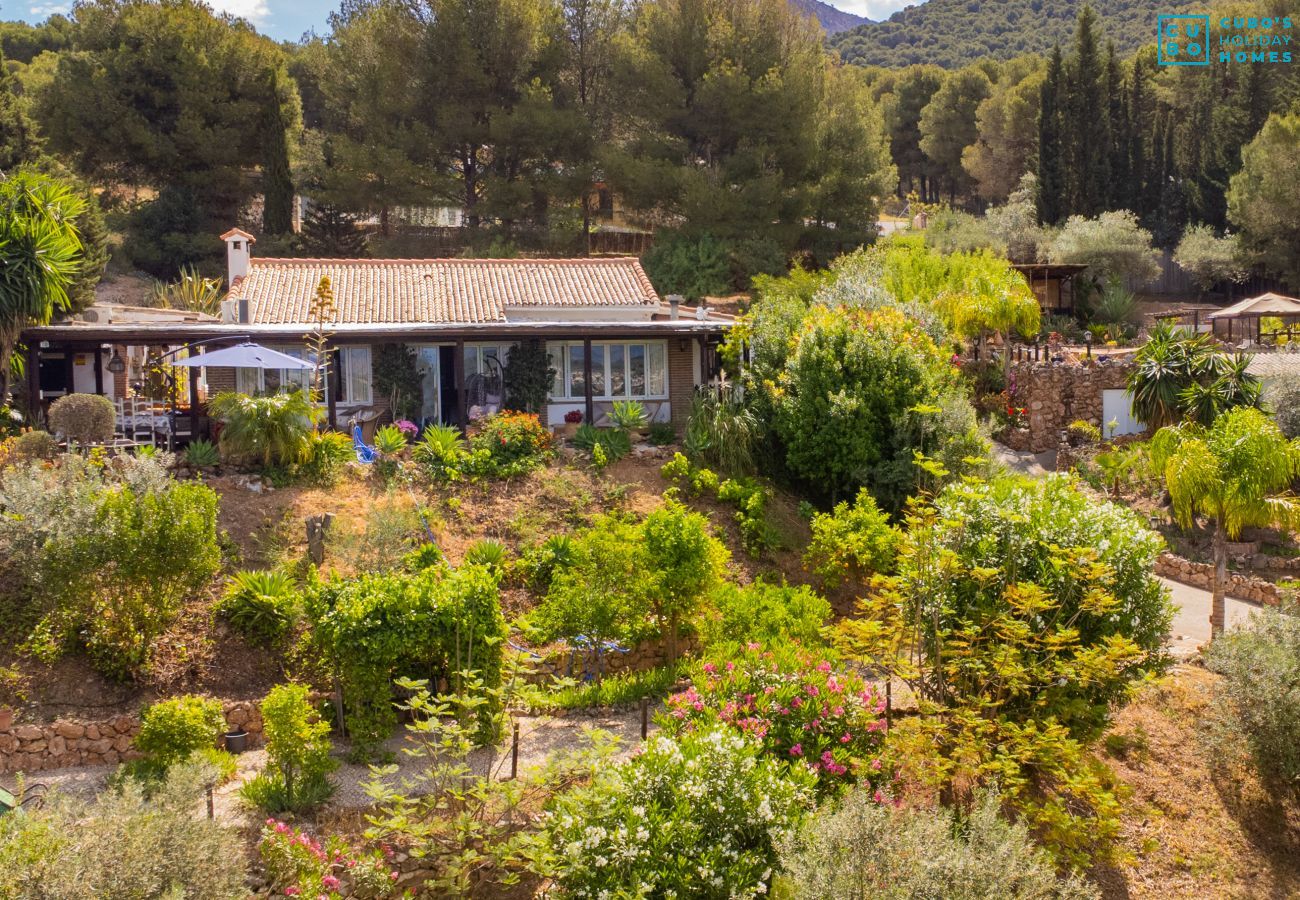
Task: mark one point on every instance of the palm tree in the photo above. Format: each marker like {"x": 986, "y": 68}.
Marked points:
{"x": 1237, "y": 473}
{"x": 277, "y": 429}
{"x": 40, "y": 256}
{"x": 993, "y": 302}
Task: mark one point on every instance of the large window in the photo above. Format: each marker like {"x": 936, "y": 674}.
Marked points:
{"x": 619, "y": 370}
{"x": 479, "y": 358}
{"x": 354, "y": 374}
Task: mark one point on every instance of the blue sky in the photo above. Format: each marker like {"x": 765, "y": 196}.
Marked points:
{"x": 288, "y": 19}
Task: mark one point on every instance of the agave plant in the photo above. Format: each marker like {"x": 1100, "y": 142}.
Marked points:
{"x": 202, "y": 454}
{"x": 192, "y": 291}
{"x": 261, "y": 605}
{"x": 489, "y": 554}
{"x": 390, "y": 440}
{"x": 628, "y": 414}
{"x": 276, "y": 430}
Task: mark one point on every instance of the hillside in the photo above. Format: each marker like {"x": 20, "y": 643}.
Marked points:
{"x": 832, "y": 20}
{"x": 954, "y": 33}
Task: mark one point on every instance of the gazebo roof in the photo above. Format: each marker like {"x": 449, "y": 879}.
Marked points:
{"x": 1264, "y": 305}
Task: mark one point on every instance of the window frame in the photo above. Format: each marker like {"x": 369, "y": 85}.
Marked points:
{"x": 561, "y": 354}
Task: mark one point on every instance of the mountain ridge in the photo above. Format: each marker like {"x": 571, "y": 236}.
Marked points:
{"x": 831, "y": 19}
{"x": 954, "y": 33}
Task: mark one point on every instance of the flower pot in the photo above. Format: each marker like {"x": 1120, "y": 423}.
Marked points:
{"x": 236, "y": 741}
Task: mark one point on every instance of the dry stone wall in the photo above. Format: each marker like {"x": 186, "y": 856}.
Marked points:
{"x": 1201, "y": 575}
{"x": 34, "y": 747}
{"x": 1054, "y": 394}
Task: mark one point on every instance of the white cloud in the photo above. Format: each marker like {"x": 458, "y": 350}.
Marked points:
{"x": 45, "y": 10}
{"x": 253, "y": 10}
{"x": 873, "y": 9}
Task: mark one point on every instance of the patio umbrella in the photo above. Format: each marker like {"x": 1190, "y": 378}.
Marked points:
{"x": 245, "y": 356}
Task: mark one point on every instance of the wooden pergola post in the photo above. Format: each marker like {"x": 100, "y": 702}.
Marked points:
{"x": 193, "y": 376}
{"x": 99, "y": 370}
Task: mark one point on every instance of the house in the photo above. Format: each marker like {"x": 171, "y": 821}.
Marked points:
{"x": 609, "y": 336}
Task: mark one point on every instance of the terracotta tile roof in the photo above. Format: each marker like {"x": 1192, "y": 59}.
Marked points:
{"x": 415, "y": 291}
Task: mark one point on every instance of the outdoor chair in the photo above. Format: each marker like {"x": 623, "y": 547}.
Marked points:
{"x": 365, "y": 453}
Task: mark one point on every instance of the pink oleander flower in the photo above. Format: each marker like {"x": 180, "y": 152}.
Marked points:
{"x": 875, "y": 765}
{"x": 796, "y": 750}
{"x": 291, "y": 891}
{"x": 878, "y": 797}
{"x": 753, "y": 645}
{"x": 838, "y": 711}
{"x": 731, "y": 666}
{"x": 846, "y": 738}
{"x": 710, "y": 668}
{"x": 331, "y": 882}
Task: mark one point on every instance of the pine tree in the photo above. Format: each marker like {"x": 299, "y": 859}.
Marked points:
{"x": 277, "y": 180}
{"x": 327, "y": 231}
{"x": 20, "y": 142}
{"x": 1051, "y": 176}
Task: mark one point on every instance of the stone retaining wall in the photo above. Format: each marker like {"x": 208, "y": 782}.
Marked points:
{"x": 641, "y": 658}
{"x": 1201, "y": 575}
{"x": 33, "y": 747}
{"x": 1056, "y": 394}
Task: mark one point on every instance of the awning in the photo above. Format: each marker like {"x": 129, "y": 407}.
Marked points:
{"x": 1264, "y": 305}
{"x": 245, "y": 356}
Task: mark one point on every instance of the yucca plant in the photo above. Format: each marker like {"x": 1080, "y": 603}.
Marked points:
{"x": 192, "y": 291}
{"x": 261, "y": 605}
{"x": 276, "y": 430}
{"x": 722, "y": 431}
{"x": 202, "y": 454}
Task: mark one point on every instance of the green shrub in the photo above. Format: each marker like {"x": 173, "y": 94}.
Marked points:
{"x": 202, "y": 454}
{"x": 124, "y": 843}
{"x": 864, "y": 848}
{"x": 750, "y": 499}
{"x": 108, "y": 554}
{"x": 297, "y": 752}
{"x": 528, "y": 376}
{"x": 261, "y": 605}
{"x": 173, "y": 730}
{"x": 35, "y": 445}
{"x": 1258, "y": 700}
{"x": 425, "y": 556}
{"x": 852, "y": 542}
{"x": 1023, "y": 613}
{"x": 599, "y": 586}
{"x": 274, "y": 430}
{"x": 695, "y": 267}
{"x": 378, "y": 627}
{"x": 767, "y": 614}
{"x": 439, "y": 452}
{"x": 328, "y": 453}
{"x": 540, "y": 564}
{"x": 662, "y": 433}
{"x": 621, "y": 689}
{"x": 1282, "y": 398}
{"x": 83, "y": 418}
{"x": 687, "y": 562}
{"x": 722, "y": 431}
{"x": 693, "y": 816}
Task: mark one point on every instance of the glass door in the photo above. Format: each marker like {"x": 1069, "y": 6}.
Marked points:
{"x": 427, "y": 363}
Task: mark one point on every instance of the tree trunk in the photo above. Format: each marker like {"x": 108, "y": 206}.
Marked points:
{"x": 1217, "y": 612}
{"x": 672, "y": 637}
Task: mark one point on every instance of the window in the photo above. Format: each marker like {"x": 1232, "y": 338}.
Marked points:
{"x": 619, "y": 370}
{"x": 479, "y": 358}
{"x": 354, "y": 373}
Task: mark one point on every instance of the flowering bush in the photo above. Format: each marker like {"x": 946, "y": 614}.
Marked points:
{"x": 691, "y": 816}
{"x": 795, "y": 706}
{"x": 573, "y": 417}
{"x": 301, "y": 866}
{"x": 408, "y": 428}
{"x": 514, "y": 439}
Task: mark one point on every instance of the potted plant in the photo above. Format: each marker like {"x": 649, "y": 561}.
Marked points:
{"x": 572, "y": 419}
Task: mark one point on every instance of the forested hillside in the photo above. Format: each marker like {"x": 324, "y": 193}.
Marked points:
{"x": 954, "y": 33}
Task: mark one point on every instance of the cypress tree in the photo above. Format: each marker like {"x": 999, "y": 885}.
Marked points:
{"x": 1119, "y": 196}
{"x": 1051, "y": 176}
{"x": 277, "y": 180}
{"x": 1139, "y": 122}
{"x": 1087, "y": 117}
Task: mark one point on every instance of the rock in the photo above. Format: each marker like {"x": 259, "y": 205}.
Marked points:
{"x": 6, "y": 718}
{"x": 237, "y": 717}
{"x": 36, "y": 746}
{"x": 103, "y": 745}
{"x": 58, "y": 745}
{"x": 8, "y": 743}
{"x": 111, "y": 758}
{"x": 123, "y": 743}
{"x": 124, "y": 724}
{"x": 92, "y": 732}
{"x": 29, "y": 732}
{"x": 69, "y": 730}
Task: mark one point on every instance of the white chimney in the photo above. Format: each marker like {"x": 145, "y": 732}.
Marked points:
{"x": 239, "y": 250}
{"x": 674, "y": 305}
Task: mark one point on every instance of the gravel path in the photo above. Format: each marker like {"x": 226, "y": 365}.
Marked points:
{"x": 539, "y": 737}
